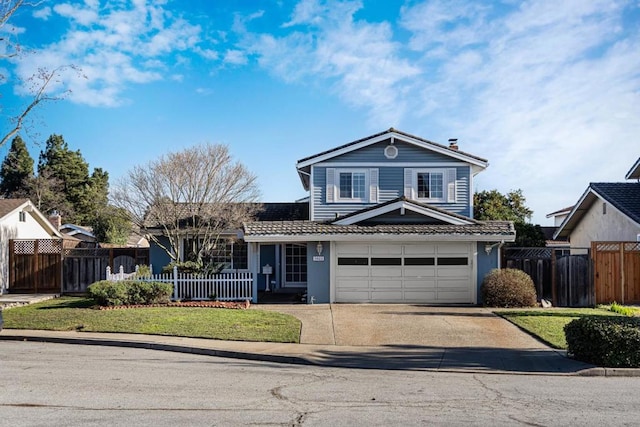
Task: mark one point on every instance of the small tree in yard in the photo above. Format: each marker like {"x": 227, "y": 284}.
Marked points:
{"x": 198, "y": 194}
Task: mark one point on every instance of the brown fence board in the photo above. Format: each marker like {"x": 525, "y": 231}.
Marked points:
{"x": 617, "y": 272}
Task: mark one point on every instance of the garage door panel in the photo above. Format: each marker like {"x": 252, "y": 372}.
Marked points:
{"x": 452, "y": 284}
{"x": 419, "y": 249}
{"x": 420, "y": 296}
{"x": 353, "y": 248}
{"x": 419, "y": 284}
{"x": 386, "y": 250}
{"x": 393, "y": 296}
{"x": 353, "y": 271}
{"x": 355, "y": 283}
{"x": 453, "y": 248}
{"x": 384, "y": 284}
{"x": 353, "y": 296}
{"x": 419, "y": 272}
{"x": 453, "y": 296}
{"x": 454, "y": 272}
{"x": 386, "y": 272}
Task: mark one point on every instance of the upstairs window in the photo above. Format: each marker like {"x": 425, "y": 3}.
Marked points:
{"x": 430, "y": 185}
{"x": 355, "y": 185}
{"x": 352, "y": 185}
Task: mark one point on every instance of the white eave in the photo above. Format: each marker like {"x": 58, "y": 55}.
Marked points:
{"x": 634, "y": 172}
{"x": 393, "y": 238}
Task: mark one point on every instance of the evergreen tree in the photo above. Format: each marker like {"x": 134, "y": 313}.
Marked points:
{"x": 16, "y": 172}
{"x": 66, "y": 185}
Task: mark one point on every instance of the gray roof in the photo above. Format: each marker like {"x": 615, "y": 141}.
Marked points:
{"x": 9, "y": 205}
{"x": 624, "y": 196}
{"x": 314, "y": 228}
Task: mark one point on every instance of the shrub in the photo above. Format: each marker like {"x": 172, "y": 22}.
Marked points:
{"x": 183, "y": 267}
{"x": 609, "y": 341}
{"x": 129, "y": 292}
{"x": 508, "y": 288}
{"x": 621, "y": 309}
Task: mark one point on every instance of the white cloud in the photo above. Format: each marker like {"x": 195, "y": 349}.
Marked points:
{"x": 359, "y": 59}
{"x": 235, "y": 57}
{"x": 43, "y": 13}
{"x": 115, "y": 45}
{"x": 547, "y": 92}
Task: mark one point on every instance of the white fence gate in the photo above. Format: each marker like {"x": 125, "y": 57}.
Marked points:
{"x": 187, "y": 286}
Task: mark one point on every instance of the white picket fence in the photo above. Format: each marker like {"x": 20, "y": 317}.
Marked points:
{"x": 222, "y": 286}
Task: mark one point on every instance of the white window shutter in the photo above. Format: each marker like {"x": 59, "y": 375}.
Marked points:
{"x": 331, "y": 185}
{"x": 408, "y": 183}
{"x": 373, "y": 185}
{"x": 451, "y": 185}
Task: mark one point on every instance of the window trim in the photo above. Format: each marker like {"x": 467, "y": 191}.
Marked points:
{"x": 224, "y": 241}
{"x": 449, "y": 176}
{"x": 365, "y": 197}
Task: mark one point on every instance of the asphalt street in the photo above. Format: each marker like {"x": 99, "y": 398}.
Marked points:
{"x": 57, "y": 384}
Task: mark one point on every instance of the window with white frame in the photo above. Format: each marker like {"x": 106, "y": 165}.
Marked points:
{"x": 431, "y": 185}
{"x": 352, "y": 185}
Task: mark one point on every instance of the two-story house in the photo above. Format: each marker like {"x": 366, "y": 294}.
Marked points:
{"x": 390, "y": 220}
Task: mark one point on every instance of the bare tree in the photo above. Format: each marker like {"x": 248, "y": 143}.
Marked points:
{"x": 39, "y": 84}
{"x": 199, "y": 193}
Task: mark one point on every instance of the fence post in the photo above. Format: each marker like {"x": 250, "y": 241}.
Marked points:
{"x": 175, "y": 282}
{"x": 554, "y": 279}
{"x": 108, "y": 273}
{"x": 622, "y": 278}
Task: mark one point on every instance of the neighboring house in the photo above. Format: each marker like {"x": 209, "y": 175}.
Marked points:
{"x": 20, "y": 219}
{"x": 84, "y": 234}
{"x": 388, "y": 219}
{"x": 605, "y": 212}
{"x": 560, "y": 215}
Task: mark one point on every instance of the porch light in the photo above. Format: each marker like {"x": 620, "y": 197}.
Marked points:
{"x": 319, "y": 248}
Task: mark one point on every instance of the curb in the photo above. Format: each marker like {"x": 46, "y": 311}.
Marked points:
{"x": 163, "y": 347}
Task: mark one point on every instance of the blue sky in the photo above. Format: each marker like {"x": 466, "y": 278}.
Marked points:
{"x": 547, "y": 91}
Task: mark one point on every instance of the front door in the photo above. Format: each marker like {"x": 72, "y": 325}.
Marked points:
{"x": 295, "y": 265}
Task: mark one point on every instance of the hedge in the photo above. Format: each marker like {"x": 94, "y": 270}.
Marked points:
{"x": 608, "y": 341}
{"x": 130, "y": 292}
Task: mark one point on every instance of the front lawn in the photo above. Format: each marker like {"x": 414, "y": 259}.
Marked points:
{"x": 548, "y": 324}
{"x": 68, "y": 313}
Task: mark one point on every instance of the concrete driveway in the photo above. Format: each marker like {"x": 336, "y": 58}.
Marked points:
{"x": 403, "y": 336}
{"x": 405, "y": 324}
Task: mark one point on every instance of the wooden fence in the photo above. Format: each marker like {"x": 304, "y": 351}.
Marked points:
{"x": 84, "y": 266}
{"x": 46, "y": 266}
{"x": 222, "y": 286}
{"x": 35, "y": 266}
{"x": 564, "y": 279}
{"x": 617, "y": 272}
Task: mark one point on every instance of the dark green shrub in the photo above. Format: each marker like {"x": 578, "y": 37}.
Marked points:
{"x": 107, "y": 293}
{"x": 508, "y": 287}
{"x": 129, "y": 292}
{"x": 609, "y": 341}
{"x": 183, "y": 267}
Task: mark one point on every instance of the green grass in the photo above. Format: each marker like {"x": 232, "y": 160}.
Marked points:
{"x": 548, "y": 324}
{"x": 68, "y": 314}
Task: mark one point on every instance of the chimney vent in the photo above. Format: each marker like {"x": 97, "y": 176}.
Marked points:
{"x": 55, "y": 219}
{"x": 453, "y": 144}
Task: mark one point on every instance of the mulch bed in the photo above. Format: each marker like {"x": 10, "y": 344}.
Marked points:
{"x": 243, "y": 305}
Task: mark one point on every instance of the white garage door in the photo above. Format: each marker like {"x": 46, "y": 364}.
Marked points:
{"x": 426, "y": 273}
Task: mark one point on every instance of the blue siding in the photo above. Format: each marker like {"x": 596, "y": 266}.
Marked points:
{"x": 391, "y": 185}
{"x": 158, "y": 258}
{"x": 318, "y": 274}
{"x": 267, "y": 256}
{"x": 485, "y": 264}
